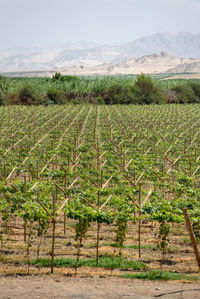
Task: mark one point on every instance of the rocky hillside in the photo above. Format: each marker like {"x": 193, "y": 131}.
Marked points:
{"x": 193, "y": 67}
{"x": 76, "y": 55}
{"x": 148, "y": 64}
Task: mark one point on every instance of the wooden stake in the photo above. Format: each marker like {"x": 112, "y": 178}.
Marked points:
{"x": 53, "y": 235}
{"x": 139, "y": 225}
{"x": 24, "y": 230}
{"x": 24, "y": 220}
{"x": 37, "y": 169}
{"x": 4, "y": 170}
{"x": 98, "y": 229}
{"x": 192, "y": 236}
{"x": 64, "y": 223}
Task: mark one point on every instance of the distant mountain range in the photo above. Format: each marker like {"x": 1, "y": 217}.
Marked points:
{"x": 129, "y": 56}
{"x": 157, "y": 63}
{"x": 150, "y": 64}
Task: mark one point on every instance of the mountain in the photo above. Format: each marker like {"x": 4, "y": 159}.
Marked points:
{"x": 155, "y": 63}
{"x": 81, "y": 54}
{"x": 193, "y": 67}
{"x": 179, "y": 44}
{"x": 150, "y": 64}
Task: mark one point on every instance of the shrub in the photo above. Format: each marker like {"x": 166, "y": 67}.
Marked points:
{"x": 99, "y": 100}
{"x": 111, "y": 93}
{"x": 196, "y": 89}
{"x": 126, "y": 96}
{"x": 60, "y": 77}
{"x": 2, "y": 99}
{"x": 157, "y": 96}
{"x": 145, "y": 91}
{"x": 27, "y": 95}
{"x": 57, "y": 76}
{"x": 185, "y": 94}
{"x": 70, "y": 95}
{"x": 171, "y": 96}
{"x": 55, "y": 96}
{"x": 13, "y": 98}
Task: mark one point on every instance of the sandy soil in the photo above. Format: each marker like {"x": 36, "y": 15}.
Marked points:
{"x": 185, "y": 76}
{"x": 34, "y": 287}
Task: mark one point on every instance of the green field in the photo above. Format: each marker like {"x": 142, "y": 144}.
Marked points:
{"x": 97, "y": 90}
{"x": 86, "y": 84}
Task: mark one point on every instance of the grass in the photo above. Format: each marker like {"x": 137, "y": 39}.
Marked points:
{"x": 104, "y": 262}
{"x": 133, "y": 246}
{"x": 159, "y": 275}
{"x": 187, "y": 240}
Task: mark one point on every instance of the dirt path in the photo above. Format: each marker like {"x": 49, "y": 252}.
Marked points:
{"x": 34, "y": 287}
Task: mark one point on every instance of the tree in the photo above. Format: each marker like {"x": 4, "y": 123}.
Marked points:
{"x": 146, "y": 92}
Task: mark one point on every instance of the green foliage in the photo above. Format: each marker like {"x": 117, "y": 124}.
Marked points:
{"x": 57, "y": 76}
{"x": 132, "y": 246}
{"x": 159, "y": 275}
{"x": 196, "y": 228}
{"x": 2, "y": 99}
{"x": 99, "y": 100}
{"x": 186, "y": 94}
{"x": 164, "y": 230}
{"x": 2, "y": 78}
{"x": 62, "y": 78}
{"x": 111, "y": 94}
{"x": 104, "y": 262}
{"x": 146, "y": 92}
{"x": 125, "y": 96}
{"x": 98, "y": 90}
{"x": 55, "y": 97}
{"x": 196, "y": 88}
{"x": 27, "y": 94}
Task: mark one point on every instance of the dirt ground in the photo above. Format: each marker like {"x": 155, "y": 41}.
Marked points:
{"x": 94, "y": 282}
{"x": 35, "y": 287}
{"x": 179, "y": 258}
{"x": 185, "y": 76}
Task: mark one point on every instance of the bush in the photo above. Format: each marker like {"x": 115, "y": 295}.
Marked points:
{"x": 99, "y": 101}
{"x": 126, "y": 96}
{"x": 55, "y": 96}
{"x": 171, "y": 96}
{"x": 27, "y": 95}
{"x": 196, "y": 89}
{"x": 2, "y": 99}
{"x": 60, "y": 77}
{"x": 185, "y": 94}
{"x": 145, "y": 91}
{"x": 111, "y": 93}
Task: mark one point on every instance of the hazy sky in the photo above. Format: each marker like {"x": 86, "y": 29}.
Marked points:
{"x": 55, "y": 22}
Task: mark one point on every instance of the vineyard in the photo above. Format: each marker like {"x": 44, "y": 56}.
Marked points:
{"x": 99, "y": 186}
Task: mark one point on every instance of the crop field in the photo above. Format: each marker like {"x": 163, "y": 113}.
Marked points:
{"x": 85, "y": 84}
{"x": 99, "y": 189}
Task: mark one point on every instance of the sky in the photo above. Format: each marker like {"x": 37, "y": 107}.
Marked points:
{"x": 51, "y": 23}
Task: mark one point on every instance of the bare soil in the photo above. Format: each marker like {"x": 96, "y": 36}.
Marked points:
{"x": 185, "y": 76}
{"x": 59, "y": 287}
